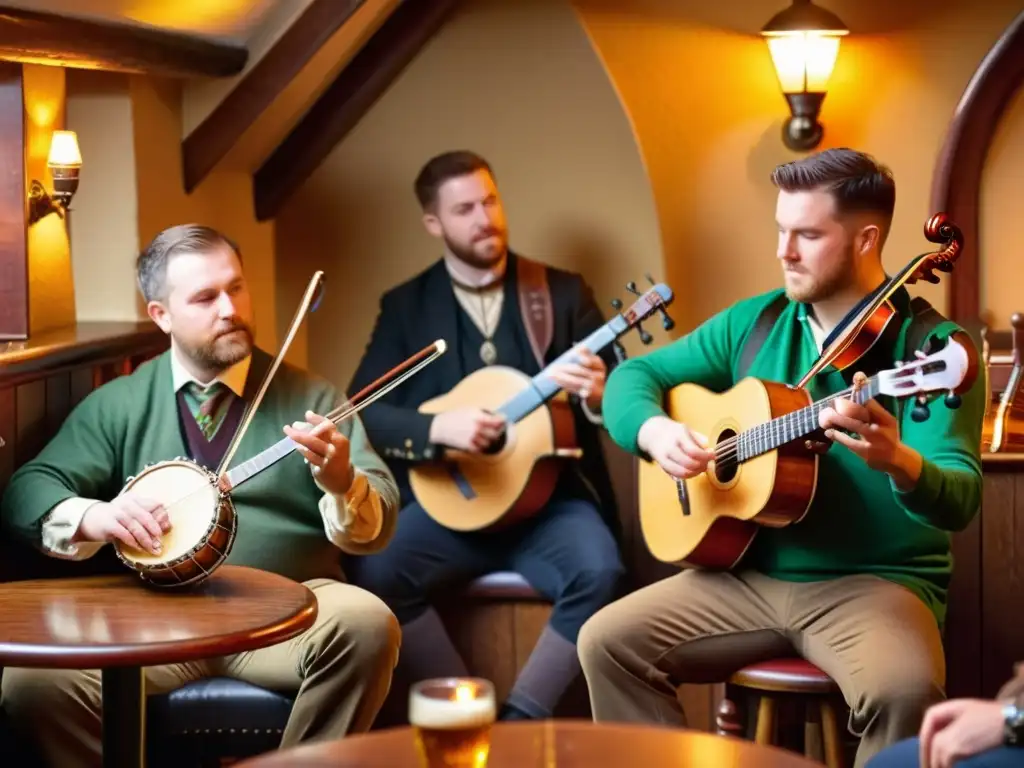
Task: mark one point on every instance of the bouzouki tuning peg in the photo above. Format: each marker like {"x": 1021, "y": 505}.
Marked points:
{"x": 645, "y": 337}
{"x": 649, "y": 278}
{"x": 631, "y": 287}
{"x": 617, "y": 305}
{"x": 666, "y": 322}
{"x": 953, "y": 400}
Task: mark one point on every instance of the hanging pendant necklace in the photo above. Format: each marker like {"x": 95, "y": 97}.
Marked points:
{"x": 488, "y": 351}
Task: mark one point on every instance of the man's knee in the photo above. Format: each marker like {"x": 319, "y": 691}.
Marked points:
{"x": 359, "y": 624}
{"x": 27, "y": 693}
{"x": 902, "y": 693}
{"x": 600, "y": 638}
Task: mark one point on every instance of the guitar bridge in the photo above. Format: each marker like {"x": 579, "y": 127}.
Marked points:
{"x": 683, "y": 496}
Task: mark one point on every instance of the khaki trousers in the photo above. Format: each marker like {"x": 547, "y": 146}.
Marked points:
{"x": 876, "y": 639}
{"x": 340, "y": 667}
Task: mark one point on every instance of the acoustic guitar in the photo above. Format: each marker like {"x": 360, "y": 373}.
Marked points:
{"x": 762, "y": 473}
{"x": 515, "y": 478}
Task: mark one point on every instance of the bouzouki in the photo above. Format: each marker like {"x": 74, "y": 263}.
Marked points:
{"x": 763, "y": 474}
{"x": 516, "y": 477}
{"x": 198, "y": 501}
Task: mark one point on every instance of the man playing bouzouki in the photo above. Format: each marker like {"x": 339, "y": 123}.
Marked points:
{"x": 567, "y": 551}
{"x": 296, "y": 518}
{"x": 858, "y": 586}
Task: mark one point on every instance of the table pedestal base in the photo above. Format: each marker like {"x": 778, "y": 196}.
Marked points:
{"x": 124, "y": 718}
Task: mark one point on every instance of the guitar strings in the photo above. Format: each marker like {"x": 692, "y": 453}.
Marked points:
{"x": 730, "y": 446}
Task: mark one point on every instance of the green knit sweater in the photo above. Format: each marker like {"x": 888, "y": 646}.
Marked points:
{"x": 859, "y": 521}
{"x": 133, "y": 421}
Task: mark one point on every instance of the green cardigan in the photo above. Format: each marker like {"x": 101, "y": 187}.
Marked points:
{"x": 133, "y": 421}
{"x": 859, "y": 522}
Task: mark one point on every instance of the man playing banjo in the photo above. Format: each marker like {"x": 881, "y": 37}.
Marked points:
{"x": 296, "y": 516}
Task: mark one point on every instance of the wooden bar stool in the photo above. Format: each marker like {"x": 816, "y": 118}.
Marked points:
{"x": 781, "y": 679}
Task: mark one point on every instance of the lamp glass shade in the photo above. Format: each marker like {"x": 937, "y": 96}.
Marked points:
{"x": 803, "y": 60}
{"x": 64, "y": 150}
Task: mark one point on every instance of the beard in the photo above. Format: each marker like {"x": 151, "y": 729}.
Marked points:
{"x": 825, "y": 285}
{"x": 478, "y": 254}
{"x": 230, "y": 346}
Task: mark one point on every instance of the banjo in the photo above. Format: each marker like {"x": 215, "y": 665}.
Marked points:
{"x": 198, "y": 502}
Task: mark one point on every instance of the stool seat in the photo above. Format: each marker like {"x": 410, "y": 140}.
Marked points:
{"x": 502, "y": 585}
{"x": 785, "y": 676}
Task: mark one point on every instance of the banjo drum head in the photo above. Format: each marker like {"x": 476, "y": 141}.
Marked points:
{"x": 191, "y": 501}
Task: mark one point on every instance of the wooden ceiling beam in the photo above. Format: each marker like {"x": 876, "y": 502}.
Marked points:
{"x": 45, "y": 38}
{"x": 342, "y": 105}
{"x": 213, "y": 138}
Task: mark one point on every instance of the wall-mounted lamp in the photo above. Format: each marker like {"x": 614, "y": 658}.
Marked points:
{"x": 804, "y": 43}
{"x": 64, "y": 162}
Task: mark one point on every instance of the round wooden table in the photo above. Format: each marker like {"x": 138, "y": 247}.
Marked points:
{"x": 548, "y": 744}
{"x": 119, "y": 625}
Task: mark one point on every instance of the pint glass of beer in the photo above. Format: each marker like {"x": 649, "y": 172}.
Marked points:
{"x": 452, "y": 720}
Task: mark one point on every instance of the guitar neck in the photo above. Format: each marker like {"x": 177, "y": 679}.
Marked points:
{"x": 796, "y": 424}
{"x": 542, "y": 387}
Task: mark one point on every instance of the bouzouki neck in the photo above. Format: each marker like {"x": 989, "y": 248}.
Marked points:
{"x": 542, "y": 387}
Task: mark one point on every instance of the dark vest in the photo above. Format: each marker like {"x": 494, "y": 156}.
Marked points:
{"x": 508, "y": 338}
{"x": 208, "y": 453}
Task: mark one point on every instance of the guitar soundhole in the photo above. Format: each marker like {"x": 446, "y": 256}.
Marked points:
{"x": 725, "y": 457}
{"x": 498, "y": 445}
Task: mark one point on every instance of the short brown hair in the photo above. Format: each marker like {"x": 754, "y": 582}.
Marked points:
{"x": 443, "y": 167}
{"x": 856, "y": 181}
{"x": 151, "y": 265}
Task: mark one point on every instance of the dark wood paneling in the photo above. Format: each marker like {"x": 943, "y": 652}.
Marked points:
{"x": 1002, "y": 579}
{"x": 342, "y": 105}
{"x": 78, "y": 346}
{"x": 216, "y": 135}
{"x": 983, "y": 637}
{"x": 36, "y": 37}
{"x": 30, "y": 415}
{"x": 963, "y": 632}
{"x": 13, "y": 202}
{"x": 8, "y": 434}
{"x": 956, "y": 184}
{"x": 40, "y": 383}
{"x": 58, "y": 401}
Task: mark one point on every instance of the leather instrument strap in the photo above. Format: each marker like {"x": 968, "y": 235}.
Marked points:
{"x": 535, "y": 305}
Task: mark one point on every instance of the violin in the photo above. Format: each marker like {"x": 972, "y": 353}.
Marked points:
{"x": 860, "y": 334}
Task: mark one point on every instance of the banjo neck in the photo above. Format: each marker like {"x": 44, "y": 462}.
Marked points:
{"x": 261, "y": 461}
{"x": 266, "y": 458}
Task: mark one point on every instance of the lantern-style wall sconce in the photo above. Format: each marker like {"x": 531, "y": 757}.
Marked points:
{"x": 65, "y": 164}
{"x": 804, "y": 42}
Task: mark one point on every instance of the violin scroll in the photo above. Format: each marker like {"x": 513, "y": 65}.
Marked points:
{"x": 938, "y": 229}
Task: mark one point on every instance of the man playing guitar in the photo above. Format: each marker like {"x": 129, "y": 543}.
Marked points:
{"x": 858, "y": 587}
{"x": 567, "y": 551}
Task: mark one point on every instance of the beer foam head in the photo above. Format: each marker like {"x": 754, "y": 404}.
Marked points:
{"x": 449, "y": 705}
